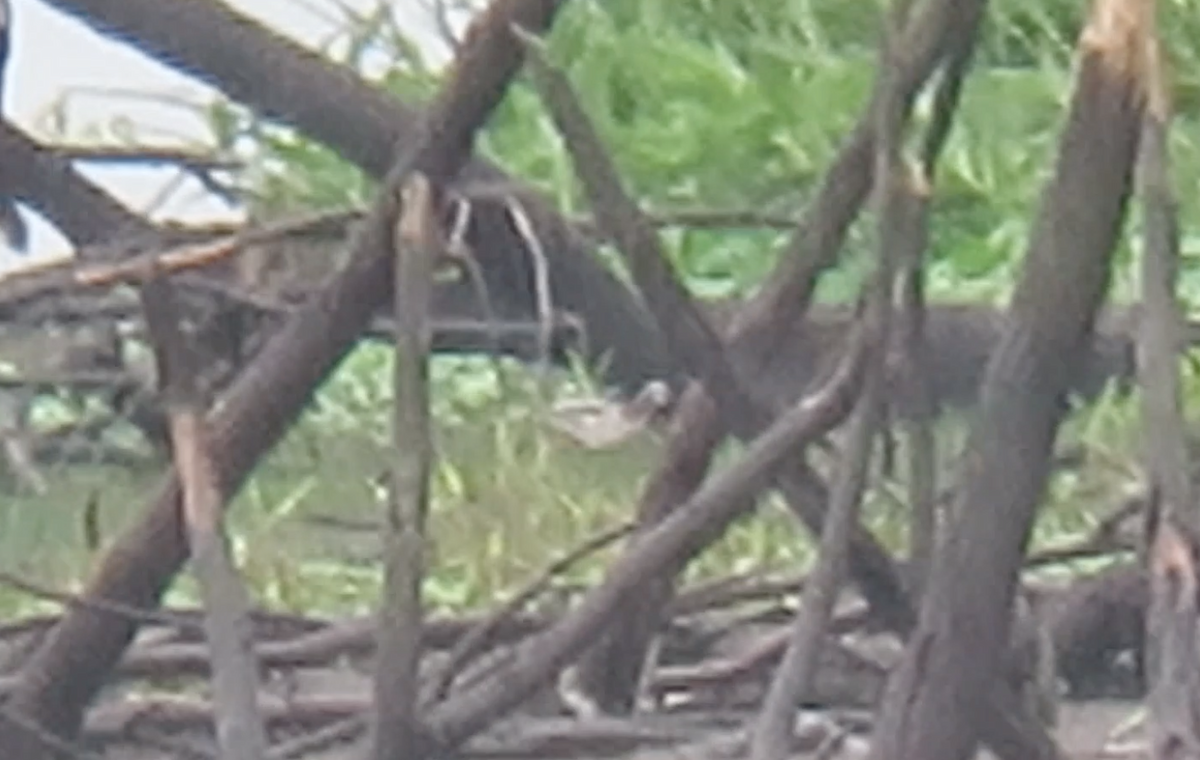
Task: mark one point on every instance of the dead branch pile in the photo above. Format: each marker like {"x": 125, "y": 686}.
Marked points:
{"x": 925, "y": 658}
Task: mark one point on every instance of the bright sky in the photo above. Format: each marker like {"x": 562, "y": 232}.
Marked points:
{"x": 55, "y": 57}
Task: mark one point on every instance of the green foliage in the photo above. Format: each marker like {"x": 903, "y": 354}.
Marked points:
{"x": 715, "y": 105}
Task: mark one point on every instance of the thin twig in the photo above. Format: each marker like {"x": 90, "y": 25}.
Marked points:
{"x": 479, "y": 636}
{"x": 1103, "y": 539}
{"x": 716, "y": 504}
{"x": 142, "y": 268}
{"x": 338, "y": 732}
{"x": 701, "y": 219}
{"x": 142, "y": 616}
{"x": 56, "y": 746}
{"x": 461, "y": 253}
{"x": 689, "y": 335}
{"x": 543, "y": 296}
{"x": 121, "y": 155}
{"x": 922, "y": 442}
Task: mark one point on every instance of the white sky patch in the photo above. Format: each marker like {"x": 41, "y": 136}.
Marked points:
{"x": 104, "y": 86}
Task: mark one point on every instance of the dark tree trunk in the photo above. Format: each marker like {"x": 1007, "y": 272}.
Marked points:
{"x": 936, "y": 698}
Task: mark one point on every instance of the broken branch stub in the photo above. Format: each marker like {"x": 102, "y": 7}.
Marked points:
{"x": 940, "y": 696}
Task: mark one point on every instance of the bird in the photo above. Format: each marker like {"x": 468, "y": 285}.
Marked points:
{"x": 608, "y": 423}
{"x": 12, "y": 224}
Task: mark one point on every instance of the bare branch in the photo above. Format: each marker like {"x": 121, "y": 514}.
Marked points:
{"x": 922, "y": 443}
{"x": 817, "y": 239}
{"x": 418, "y": 248}
{"x": 756, "y": 335}
{"x": 240, "y": 731}
{"x": 759, "y": 327}
{"x": 192, "y": 161}
{"x": 103, "y": 606}
{"x": 286, "y": 83}
{"x": 901, "y": 233}
{"x": 73, "y": 661}
{"x": 948, "y": 683}
{"x": 478, "y": 637}
{"x": 1173, "y": 674}
{"x": 707, "y": 513}
{"x": 111, "y": 264}
{"x": 690, "y": 337}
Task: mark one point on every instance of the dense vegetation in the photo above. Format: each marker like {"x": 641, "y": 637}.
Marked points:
{"x": 707, "y": 105}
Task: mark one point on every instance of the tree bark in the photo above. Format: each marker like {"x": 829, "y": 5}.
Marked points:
{"x": 936, "y": 699}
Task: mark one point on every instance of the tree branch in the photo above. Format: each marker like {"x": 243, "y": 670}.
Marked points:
{"x": 69, "y": 668}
